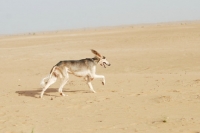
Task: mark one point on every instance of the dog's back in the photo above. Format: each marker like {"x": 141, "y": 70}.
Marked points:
{"x": 77, "y": 65}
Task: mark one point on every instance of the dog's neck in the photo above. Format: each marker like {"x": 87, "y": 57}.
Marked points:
{"x": 96, "y": 59}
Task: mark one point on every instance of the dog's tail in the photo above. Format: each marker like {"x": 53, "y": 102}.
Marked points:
{"x": 45, "y": 79}
{"x": 55, "y": 71}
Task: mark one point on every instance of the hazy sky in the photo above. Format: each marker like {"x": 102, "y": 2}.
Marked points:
{"x": 24, "y": 16}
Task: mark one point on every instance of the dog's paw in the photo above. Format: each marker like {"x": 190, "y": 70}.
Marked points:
{"x": 92, "y": 90}
{"x": 62, "y": 94}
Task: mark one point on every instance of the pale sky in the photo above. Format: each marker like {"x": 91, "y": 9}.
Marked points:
{"x": 28, "y": 16}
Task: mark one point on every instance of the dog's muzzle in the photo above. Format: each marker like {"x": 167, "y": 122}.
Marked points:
{"x": 104, "y": 64}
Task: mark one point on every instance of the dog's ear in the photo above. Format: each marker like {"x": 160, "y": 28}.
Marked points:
{"x": 95, "y": 52}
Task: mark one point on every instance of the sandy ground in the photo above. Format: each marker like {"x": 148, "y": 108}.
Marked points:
{"x": 152, "y": 86}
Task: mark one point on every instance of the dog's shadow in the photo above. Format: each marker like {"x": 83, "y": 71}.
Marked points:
{"x": 36, "y": 93}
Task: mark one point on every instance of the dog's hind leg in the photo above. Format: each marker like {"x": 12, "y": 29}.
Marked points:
{"x": 90, "y": 84}
{"x": 49, "y": 82}
{"x": 63, "y": 83}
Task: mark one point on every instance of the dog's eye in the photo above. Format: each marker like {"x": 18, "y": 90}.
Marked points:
{"x": 104, "y": 57}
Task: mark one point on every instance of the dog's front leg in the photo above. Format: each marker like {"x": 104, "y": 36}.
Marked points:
{"x": 91, "y": 88}
{"x": 90, "y": 84}
{"x": 101, "y": 77}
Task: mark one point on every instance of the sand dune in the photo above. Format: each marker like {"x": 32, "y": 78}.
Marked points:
{"x": 152, "y": 85}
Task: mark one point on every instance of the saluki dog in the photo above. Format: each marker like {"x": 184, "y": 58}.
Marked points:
{"x": 82, "y": 68}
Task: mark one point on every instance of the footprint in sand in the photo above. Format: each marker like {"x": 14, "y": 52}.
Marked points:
{"x": 162, "y": 99}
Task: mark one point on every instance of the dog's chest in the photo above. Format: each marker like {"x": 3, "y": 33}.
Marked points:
{"x": 81, "y": 73}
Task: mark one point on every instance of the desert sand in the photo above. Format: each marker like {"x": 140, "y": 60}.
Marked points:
{"x": 152, "y": 86}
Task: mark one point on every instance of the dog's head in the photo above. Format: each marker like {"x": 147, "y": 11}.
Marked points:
{"x": 102, "y": 59}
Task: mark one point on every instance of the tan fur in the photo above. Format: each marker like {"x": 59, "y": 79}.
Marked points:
{"x": 96, "y": 53}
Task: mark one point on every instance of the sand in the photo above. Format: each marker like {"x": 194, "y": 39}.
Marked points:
{"x": 152, "y": 86}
